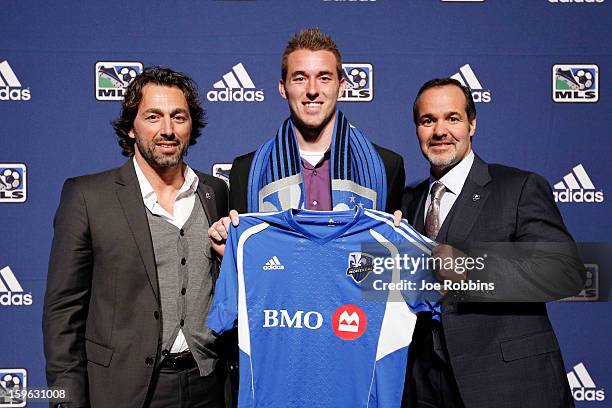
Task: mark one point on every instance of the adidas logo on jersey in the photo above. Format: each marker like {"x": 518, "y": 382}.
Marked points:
{"x": 236, "y": 86}
{"x": 11, "y": 292}
{"x": 273, "y": 263}
{"x": 10, "y": 86}
{"x": 467, "y": 78}
{"x": 582, "y": 385}
{"x": 577, "y": 187}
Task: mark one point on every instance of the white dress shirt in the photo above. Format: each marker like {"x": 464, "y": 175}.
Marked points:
{"x": 183, "y": 205}
{"x": 453, "y": 181}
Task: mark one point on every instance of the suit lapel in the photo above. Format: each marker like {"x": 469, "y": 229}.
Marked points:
{"x": 470, "y": 202}
{"x": 415, "y": 210}
{"x": 207, "y": 198}
{"x": 130, "y": 197}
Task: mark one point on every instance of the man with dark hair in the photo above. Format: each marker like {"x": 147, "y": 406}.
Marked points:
{"x": 481, "y": 354}
{"x": 317, "y": 160}
{"x": 131, "y": 272}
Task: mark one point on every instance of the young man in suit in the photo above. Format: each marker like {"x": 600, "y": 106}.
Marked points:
{"x": 131, "y": 273}
{"x": 483, "y": 354}
{"x": 317, "y": 160}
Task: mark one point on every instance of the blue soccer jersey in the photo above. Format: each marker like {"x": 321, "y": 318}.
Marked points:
{"x": 312, "y": 329}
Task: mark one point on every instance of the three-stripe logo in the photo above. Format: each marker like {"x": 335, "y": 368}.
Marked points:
{"x": 577, "y": 187}
{"x": 467, "y": 77}
{"x": 235, "y": 86}
{"x": 11, "y": 291}
{"x": 10, "y": 86}
{"x": 273, "y": 263}
{"x": 582, "y": 385}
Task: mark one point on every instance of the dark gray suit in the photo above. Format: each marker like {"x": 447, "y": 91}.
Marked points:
{"x": 497, "y": 354}
{"x": 101, "y": 322}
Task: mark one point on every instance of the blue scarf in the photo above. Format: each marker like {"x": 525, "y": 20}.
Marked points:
{"x": 358, "y": 175}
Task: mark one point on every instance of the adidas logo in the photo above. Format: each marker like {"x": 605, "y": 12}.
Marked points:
{"x": 273, "y": 263}
{"x": 11, "y": 292}
{"x": 577, "y": 187}
{"x": 582, "y": 385}
{"x": 236, "y": 86}
{"x": 467, "y": 78}
{"x": 10, "y": 87}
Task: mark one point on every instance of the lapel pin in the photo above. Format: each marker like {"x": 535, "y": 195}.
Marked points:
{"x": 476, "y": 197}
{"x": 208, "y": 196}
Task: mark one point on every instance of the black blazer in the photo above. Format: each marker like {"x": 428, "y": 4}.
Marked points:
{"x": 394, "y": 166}
{"x": 101, "y": 321}
{"x": 505, "y": 354}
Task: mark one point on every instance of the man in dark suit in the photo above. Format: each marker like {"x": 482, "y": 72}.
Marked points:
{"x": 131, "y": 273}
{"x": 484, "y": 354}
{"x": 317, "y": 160}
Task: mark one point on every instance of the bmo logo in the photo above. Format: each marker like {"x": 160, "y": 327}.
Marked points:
{"x": 349, "y": 322}
{"x": 296, "y": 320}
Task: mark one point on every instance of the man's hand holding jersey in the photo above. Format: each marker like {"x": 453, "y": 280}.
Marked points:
{"x": 217, "y": 233}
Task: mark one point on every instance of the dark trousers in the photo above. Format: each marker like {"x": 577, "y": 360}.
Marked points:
{"x": 430, "y": 381}
{"x": 186, "y": 389}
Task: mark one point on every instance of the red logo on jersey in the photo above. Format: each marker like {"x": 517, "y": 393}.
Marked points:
{"x": 349, "y": 322}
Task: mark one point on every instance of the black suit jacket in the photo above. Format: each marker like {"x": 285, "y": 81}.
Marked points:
{"x": 505, "y": 354}
{"x": 101, "y": 318}
{"x": 394, "y": 166}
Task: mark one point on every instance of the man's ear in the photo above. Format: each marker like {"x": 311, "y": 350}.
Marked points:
{"x": 472, "y": 127}
{"x": 281, "y": 89}
{"x": 342, "y": 86}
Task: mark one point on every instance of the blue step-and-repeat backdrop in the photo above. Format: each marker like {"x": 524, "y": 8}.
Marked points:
{"x": 540, "y": 71}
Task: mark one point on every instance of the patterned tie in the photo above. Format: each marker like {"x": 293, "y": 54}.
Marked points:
{"x": 432, "y": 220}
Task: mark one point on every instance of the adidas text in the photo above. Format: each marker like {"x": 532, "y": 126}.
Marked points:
{"x": 15, "y": 299}
{"x": 588, "y": 394}
{"x": 235, "y": 95}
{"x": 14, "y": 94}
{"x": 270, "y": 267}
{"x": 578, "y": 196}
{"x": 481, "y": 96}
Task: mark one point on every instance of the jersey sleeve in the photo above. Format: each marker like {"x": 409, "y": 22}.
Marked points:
{"x": 224, "y": 311}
